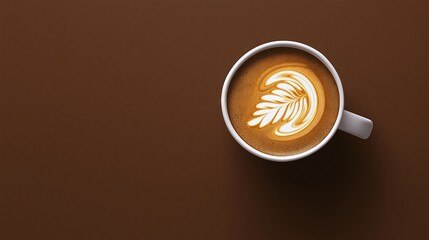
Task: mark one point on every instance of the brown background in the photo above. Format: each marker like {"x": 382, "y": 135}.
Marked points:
{"x": 110, "y": 122}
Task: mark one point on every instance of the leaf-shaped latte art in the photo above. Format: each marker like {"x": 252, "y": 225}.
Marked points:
{"x": 292, "y": 104}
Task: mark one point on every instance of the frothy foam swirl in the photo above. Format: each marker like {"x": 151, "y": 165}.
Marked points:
{"x": 292, "y": 104}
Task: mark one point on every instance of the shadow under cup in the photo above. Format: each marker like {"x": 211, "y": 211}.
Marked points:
{"x": 261, "y": 95}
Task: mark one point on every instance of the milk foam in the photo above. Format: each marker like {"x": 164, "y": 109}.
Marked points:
{"x": 291, "y": 104}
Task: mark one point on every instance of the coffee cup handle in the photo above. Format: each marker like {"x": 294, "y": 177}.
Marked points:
{"x": 356, "y": 125}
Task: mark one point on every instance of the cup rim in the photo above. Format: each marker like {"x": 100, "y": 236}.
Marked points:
{"x": 263, "y": 47}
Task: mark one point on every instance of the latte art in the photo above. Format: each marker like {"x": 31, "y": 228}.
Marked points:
{"x": 291, "y": 104}
{"x": 277, "y": 101}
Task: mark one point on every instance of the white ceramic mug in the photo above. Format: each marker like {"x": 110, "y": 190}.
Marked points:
{"x": 346, "y": 121}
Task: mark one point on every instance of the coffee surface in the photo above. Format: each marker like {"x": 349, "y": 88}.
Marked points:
{"x": 283, "y": 101}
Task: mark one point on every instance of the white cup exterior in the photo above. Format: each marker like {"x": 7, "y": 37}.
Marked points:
{"x": 260, "y": 48}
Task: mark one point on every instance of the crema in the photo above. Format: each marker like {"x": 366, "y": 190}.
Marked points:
{"x": 277, "y": 101}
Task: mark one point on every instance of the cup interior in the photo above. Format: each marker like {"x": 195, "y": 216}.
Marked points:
{"x": 263, "y": 47}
